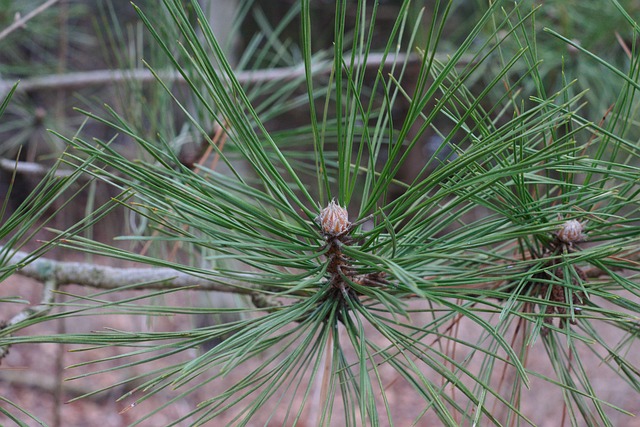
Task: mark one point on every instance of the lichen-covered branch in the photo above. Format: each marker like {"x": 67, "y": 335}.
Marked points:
{"x": 53, "y": 274}
{"x": 104, "y": 277}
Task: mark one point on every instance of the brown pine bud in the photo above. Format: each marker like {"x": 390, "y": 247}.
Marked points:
{"x": 334, "y": 219}
{"x": 572, "y": 232}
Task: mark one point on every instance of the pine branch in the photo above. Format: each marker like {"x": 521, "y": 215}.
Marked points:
{"x": 108, "y": 278}
{"x": 53, "y": 274}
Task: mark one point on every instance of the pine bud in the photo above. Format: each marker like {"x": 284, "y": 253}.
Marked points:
{"x": 334, "y": 219}
{"x": 572, "y": 232}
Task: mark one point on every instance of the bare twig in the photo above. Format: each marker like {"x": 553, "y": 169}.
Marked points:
{"x": 102, "y": 77}
{"x": 42, "y": 309}
{"x": 103, "y": 277}
{"x": 26, "y": 18}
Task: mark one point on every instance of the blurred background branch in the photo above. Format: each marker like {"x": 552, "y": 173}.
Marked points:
{"x": 20, "y": 21}
{"x": 84, "y": 79}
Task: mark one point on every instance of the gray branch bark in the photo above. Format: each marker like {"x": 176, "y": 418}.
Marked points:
{"x": 103, "y": 277}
